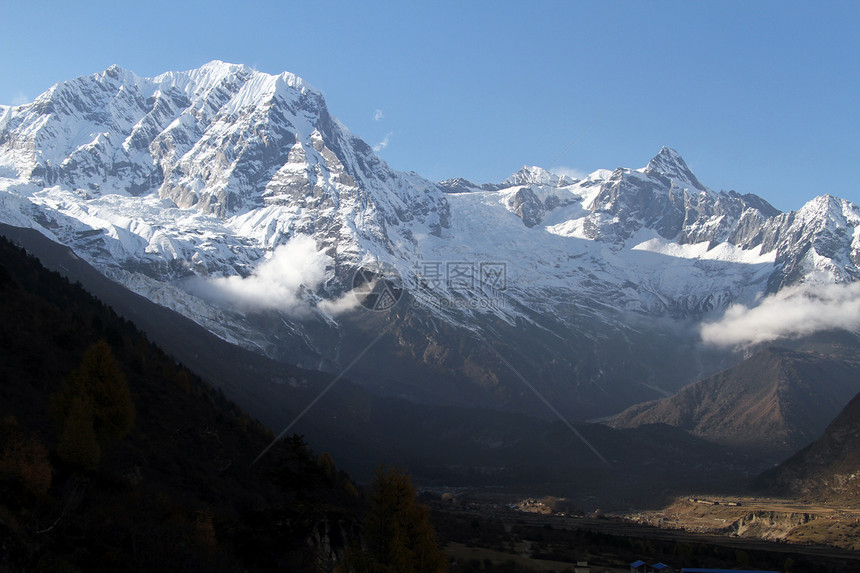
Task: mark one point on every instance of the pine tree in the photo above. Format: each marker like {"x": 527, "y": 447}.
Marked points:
{"x": 100, "y": 377}
{"x": 398, "y": 534}
{"x": 93, "y": 407}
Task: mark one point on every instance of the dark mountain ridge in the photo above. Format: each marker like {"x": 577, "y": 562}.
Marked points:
{"x": 826, "y": 471}
{"x": 771, "y": 404}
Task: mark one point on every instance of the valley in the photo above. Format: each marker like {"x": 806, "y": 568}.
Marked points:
{"x": 683, "y": 534}
{"x": 602, "y": 506}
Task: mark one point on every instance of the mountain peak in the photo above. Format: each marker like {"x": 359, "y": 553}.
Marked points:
{"x": 670, "y": 163}
{"x": 829, "y": 208}
{"x": 222, "y": 65}
{"x": 114, "y": 69}
{"x": 217, "y": 73}
{"x": 667, "y": 154}
{"x": 120, "y": 75}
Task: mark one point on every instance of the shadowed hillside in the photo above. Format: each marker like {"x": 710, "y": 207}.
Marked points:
{"x": 828, "y": 470}
{"x": 115, "y": 457}
{"x": 771, "y": 404}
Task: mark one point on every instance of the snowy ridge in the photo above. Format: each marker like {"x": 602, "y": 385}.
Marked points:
{"x": 223, "y": 140}
{"x": 532, "y": 175}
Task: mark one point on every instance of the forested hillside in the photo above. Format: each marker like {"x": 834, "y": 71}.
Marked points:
{"x": 115, "y": 457}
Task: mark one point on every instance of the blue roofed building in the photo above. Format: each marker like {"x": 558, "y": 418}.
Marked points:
{"x": 699, "y": 570}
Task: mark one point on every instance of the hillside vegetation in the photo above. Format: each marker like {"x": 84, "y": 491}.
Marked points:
{"x": 115, "y": 457}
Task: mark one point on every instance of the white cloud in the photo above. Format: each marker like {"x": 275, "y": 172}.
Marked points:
{"x": 341, "y": 305}
{"x": 283, "y": 282}
{"x": 384, "y": 143}
{"x": 791, "y": 313}
{"x": 571, "y": 172}
{"x": 377, "y": 115}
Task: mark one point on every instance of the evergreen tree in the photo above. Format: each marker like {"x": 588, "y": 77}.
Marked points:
{"x": 99, "y": 375}
{"x": 398, "y": 535}
{"x": 92, "y": 405}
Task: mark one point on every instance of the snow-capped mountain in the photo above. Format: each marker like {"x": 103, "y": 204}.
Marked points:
{"x": 234, "y": 197}
{"x": 223, "y": 141}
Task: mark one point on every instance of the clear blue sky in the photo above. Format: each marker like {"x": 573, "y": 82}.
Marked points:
{"x": 760, "y": 97}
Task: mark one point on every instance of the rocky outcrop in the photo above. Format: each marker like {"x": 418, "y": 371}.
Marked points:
{"x": 528, "y": 207}
{"x": 770, "y": 525}
{"x": 668, "y": 198}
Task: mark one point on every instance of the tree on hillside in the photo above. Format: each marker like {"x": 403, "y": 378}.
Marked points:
{"x": 398, "y": 535}
{"x": 92, "y": 405}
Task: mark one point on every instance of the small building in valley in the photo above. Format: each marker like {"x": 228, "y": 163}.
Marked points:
{"x": 700, "y": 570}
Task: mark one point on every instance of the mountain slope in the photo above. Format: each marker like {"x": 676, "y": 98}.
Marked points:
{"x": 235, "y": 198}
{"x": 773, "y": 403}
{"x": 178, "y": 491}
{"x": 826, "y": 470}
{"x": 440, "y": 444}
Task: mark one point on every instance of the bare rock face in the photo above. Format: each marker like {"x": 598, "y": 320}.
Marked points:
{"x": 528, "y": 207}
